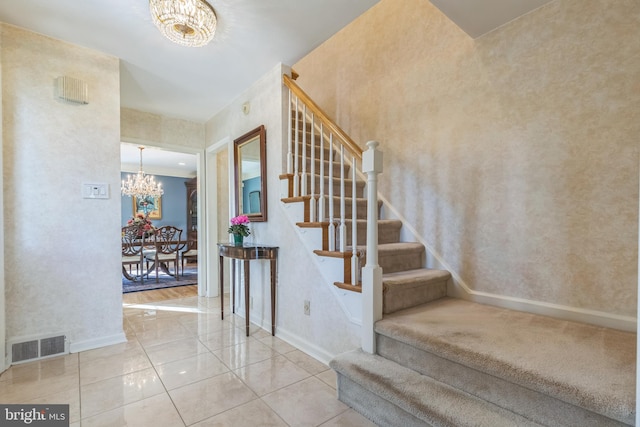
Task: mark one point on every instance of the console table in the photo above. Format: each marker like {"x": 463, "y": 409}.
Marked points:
{"x": 248, "y": 252}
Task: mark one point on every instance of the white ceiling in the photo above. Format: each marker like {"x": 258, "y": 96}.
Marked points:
{"x": 161, "y": 77}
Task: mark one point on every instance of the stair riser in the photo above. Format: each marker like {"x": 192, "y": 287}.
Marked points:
{"x": 301, "y": 123}
{"x": 383, "y": 391}
{"x": 320, "y": 150}
{"x": 400, "y": 299}
{"x": 531, "y": 404}
{"x": 302, "y": 127}
{"x": 319, "y": 145}
{"x": 336, "y": 186}
{"x": 326, "y": 166}
{"x": 361, "y": 208}
{"x": 394, "y": 261}
{"x": 387, "y": 233}
{"x": 316, "y": 148}
{"x": 377, "y": 409}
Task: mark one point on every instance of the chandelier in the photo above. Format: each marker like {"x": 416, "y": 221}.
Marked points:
{"x": 187, "y": 22}
{"x": 141, "y": 186}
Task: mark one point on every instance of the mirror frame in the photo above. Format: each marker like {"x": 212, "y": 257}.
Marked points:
{"x": 261, "y": 133}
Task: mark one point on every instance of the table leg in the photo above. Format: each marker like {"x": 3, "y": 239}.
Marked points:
{"x": 246, "y": 294}
{"x": 273, "y": 296}
{"x": 232, "y": 286}
{"x": 221, "y": 287}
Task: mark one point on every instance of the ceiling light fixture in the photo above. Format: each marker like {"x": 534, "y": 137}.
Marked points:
{"x": 186, "y": 22}
{"x": 141, "y": 186}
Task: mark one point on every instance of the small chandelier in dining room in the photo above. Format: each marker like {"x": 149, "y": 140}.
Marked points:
{"x": 186, "y": 22}
{"x": 141, "y": 185}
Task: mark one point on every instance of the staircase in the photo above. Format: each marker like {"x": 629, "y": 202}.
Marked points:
{"x": 443, "y": 361}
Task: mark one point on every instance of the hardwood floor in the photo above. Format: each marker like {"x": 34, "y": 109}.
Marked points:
{"x": 160, "y": 294}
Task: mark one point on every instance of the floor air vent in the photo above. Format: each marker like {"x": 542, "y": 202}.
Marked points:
{"x": 38, "y": 348}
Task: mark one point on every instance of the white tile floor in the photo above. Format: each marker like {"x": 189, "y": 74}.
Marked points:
{"x": 183, "y": 366}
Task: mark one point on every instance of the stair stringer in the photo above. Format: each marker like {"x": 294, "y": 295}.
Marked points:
{"x": 331, "y": 269}
{"x": 458, "y": 288}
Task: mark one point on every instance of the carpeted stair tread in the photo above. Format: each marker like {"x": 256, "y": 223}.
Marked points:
{"x": 409, "y": 288}
{"x": 388, "y": 248}
{"x": 587, "y": 366}
{"x": 428, "y": 400}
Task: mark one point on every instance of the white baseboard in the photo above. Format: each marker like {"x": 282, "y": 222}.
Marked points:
{"x": 304, "y": 345}
{"x": 593, "y": 317}
{"x": 290, "y": 338}
{"x": 78, "y": 346}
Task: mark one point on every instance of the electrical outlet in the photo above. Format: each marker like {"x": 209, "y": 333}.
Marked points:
{"x": 307, "y": 307}
{"x": 251, "y": 303}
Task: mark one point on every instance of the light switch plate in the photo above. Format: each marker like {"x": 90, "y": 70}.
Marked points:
{"x": 95, "y": 190}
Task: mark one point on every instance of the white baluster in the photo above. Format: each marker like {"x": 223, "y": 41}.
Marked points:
{"x": 354, "y": 224}
{"x": 321, "y": 199}
{"x": 303, "y": 177}
{"x": 290, "y": 151}
{"x": 296, "y": 163}
{"x": 372, "y": 272}
{"x": 313, "y": 201}
{"x": 342, "y": 231}
{"x": 332, "y": 224}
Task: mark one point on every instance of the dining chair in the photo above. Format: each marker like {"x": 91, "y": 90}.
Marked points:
{"x": 189, "y": 254}
{"x": 168, "y": 244}
{"x": 132, "y": 255}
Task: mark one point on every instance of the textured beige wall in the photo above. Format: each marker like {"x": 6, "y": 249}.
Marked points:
{"x": 515, "y": 156}
{"x": 142, "y": 126}
{"x": 61, "y": 251}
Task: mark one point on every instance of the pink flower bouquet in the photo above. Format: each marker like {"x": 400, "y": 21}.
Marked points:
{"x": 239, "y": 225}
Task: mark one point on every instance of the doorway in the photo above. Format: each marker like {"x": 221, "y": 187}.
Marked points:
{"x": 179, "y": 171}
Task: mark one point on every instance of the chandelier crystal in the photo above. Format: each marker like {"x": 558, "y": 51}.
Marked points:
{"x": 186, "y": 22}
{"x": 140, "y": 185}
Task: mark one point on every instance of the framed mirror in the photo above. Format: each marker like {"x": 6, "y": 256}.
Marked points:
{"x": 250, "y": 164}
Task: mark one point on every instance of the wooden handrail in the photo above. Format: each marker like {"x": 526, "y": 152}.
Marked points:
{"x": 317, "y": 111}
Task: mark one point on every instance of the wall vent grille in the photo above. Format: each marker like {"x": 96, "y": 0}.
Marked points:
{"x": 24, "y": 351}
{"x": 38, "y": 348}
{"x": 51, "y": 346}
{"x": 72, "y": 90}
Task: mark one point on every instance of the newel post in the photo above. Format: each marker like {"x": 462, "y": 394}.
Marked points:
{"x": 371, "y": 272}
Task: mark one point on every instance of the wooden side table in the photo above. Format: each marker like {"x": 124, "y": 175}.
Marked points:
{"x": 248, "y": 252}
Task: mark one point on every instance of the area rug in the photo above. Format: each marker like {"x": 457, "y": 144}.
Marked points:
{"x": 164, "y": 281}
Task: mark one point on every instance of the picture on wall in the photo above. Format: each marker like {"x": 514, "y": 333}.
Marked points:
{"x": 148, "y": 205}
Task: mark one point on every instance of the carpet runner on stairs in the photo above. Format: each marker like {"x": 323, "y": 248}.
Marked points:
{"x": 392, "y": 395}
{"x": 548, "y": 371}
